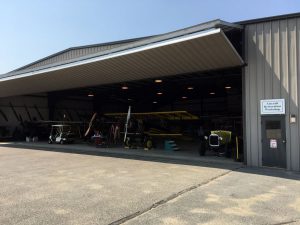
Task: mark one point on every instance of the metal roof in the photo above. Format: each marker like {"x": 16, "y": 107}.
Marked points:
{"x": 270, "y": 18}
{"x": 212, "y": 24}
{"x": 131, "y": 43}
{"x": 111, "y": 44}
{"x": 171, "y": 54}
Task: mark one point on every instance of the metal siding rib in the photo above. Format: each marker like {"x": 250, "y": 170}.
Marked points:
{"x": 247, "y": 98}
{"x": 253, "y": 94}
{"x": 276, "y": 59}
{"x": 250, "y": 73}
{"x": 268, "y": 61}
{"x": 260, "y": 82}
{"x": 285, "y": 82}
{"x": 297, "y": 148}
{"x": 293, "y": 92}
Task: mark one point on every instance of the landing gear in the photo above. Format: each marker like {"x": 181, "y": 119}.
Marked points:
{"x": 138, "y": 141}
{"x": 148, "y": 144}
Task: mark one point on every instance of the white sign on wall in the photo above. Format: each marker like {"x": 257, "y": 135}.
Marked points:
{"x": 272, "y": 106}
{"x": 273, "y": 143}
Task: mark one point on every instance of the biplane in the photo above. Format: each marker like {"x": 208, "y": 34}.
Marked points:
{"x": 143, "y": 127}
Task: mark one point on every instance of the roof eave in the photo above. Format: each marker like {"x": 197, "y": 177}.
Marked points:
{"x": 270, "y": 18}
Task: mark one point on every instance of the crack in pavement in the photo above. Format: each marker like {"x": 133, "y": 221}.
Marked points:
{"x": 286, "y": 222}
{"x": 169, "y": 198}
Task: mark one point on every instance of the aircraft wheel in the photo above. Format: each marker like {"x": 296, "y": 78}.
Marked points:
{"x": 127, "y": 143}
{"x": 149, "y": 144}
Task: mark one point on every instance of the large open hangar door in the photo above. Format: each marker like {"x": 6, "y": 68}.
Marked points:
{"x": 125, "y": 75}
{"x": 194, "y": 105}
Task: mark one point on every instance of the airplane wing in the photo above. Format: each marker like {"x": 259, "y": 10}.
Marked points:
{"x": 169, "y": 115}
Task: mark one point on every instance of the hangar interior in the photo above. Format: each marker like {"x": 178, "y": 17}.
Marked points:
{"x": 176, "y": 102}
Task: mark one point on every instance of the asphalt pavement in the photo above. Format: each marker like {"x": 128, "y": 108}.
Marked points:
{"x": 47, "y": 187}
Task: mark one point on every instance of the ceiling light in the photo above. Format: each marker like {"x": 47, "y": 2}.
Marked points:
{"x": 124, "y": 87}
{"x": 227, "y": 87}
{"x": 212, "y": 93}
{"x": 154, "y": 102}
{"x": 184, "y": 97}
{"x": 158, "y": 81}
{"x": 91, "y": 94}
{"x": 190, "y": 88}
{"x": 159, "y": 93}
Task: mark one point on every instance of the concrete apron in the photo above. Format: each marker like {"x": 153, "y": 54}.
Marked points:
{"x": 149, "y": 155}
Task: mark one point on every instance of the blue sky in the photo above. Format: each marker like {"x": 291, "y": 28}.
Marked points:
{"x": 32, "y": 29}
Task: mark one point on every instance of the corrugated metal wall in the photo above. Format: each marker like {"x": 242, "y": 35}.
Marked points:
{"x": 272, "y": 54}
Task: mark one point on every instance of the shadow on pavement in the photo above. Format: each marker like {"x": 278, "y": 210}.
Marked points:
{"x": 193, "y": 160}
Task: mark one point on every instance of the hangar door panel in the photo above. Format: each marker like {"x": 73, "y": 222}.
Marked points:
{"x": 201, "y": 51}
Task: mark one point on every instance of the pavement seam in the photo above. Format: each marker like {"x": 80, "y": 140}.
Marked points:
{"x": 169, "y": 198}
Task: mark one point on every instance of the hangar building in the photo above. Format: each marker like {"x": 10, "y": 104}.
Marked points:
{"x": 241, "y": 76}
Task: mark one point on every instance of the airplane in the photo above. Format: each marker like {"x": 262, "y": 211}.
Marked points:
{"x": 139, "y": 136}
